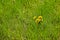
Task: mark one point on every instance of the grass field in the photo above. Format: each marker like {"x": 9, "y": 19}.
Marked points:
{"x": 16, "y": 20}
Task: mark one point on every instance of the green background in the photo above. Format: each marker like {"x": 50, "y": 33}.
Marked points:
{"x": 16, "y": 20}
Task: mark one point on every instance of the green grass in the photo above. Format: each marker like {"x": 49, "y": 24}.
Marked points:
{"x": 16, "y": 20}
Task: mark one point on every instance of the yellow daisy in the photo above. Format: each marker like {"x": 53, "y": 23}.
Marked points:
{"x": 37, "y": 20}
{"x": 39, "y": 17}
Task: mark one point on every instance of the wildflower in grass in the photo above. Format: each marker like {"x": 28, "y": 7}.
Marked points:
{"x": 38, "y": 20}
{"x": 34, "y": 17}
{"x": 39, "y": 17}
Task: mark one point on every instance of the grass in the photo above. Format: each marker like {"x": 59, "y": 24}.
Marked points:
{"x": 16, "y": 20}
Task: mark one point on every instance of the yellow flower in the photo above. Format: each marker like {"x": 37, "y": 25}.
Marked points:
{"x": 38, "y": 20}
{"x": 34, "y": 17}
{"x": 39, "y": 17}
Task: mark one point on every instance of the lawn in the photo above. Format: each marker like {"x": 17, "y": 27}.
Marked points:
{"x": 16, "y": 20}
